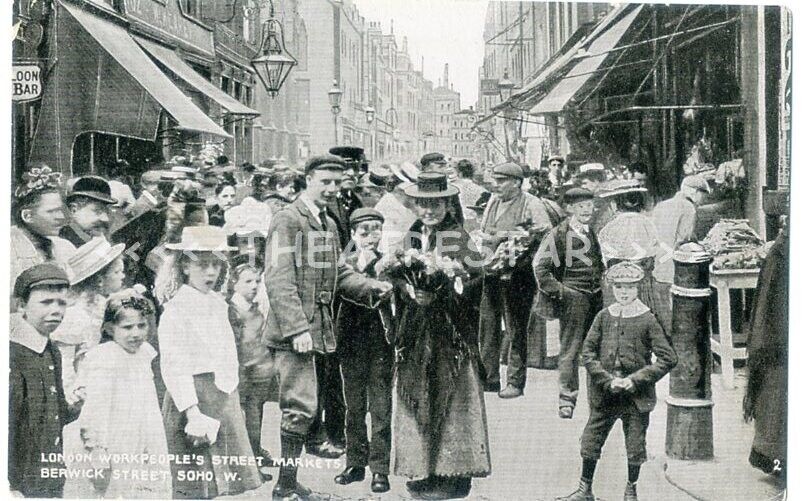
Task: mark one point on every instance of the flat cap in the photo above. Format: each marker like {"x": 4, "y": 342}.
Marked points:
{"x": 354, "y": 153}
{"x": 40, "y": 275}
{"x": 508, "y": 169}
{"x": 575, "y": 195}
{"x": 365, "y": 214}
{"x": 432, "y": 158}
{"x": 625, "y": 272}
{"x": 556, "y": 157}
{"x": 324, "y": 162}
{"x": 93, "y": 187}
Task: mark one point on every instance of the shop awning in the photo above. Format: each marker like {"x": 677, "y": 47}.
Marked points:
{"x": 562, "y": 93}
{"x": 182, "y": 70}
{"x": 119, "y": 44}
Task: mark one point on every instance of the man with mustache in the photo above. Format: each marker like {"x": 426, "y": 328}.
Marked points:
{"x": 89, "y": 203}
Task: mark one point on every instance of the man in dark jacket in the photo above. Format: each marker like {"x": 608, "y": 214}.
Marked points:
{"x": 568, "y": 268}
{"x": 302, "y": 275}
{"x": 37, "y": 409}
{"x": 366, "y": 360}
{"x": 89, "y": 203}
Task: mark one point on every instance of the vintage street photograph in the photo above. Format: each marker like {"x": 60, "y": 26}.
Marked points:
{"x": 399, "y": 249}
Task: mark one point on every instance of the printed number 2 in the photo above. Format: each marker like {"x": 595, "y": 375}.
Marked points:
{"x": 777, "y": 466}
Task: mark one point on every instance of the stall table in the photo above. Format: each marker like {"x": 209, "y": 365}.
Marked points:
{"x": 724, "y": 346}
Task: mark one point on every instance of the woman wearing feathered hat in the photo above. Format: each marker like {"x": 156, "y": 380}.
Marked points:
{"x": 440, "y": 426}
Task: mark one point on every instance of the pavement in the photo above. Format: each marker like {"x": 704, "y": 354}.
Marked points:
{"x": 535, "y": 454}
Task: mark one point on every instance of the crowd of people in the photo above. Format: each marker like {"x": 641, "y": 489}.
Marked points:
{"x": 157, "y": 320}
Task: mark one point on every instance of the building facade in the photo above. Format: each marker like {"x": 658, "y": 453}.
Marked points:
{"x": 139, "y": 81}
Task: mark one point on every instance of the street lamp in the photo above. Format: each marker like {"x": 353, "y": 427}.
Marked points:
{"x": 335, "y": 96}
{"x": 370, "y": 116}
{"x": 274, "y": 63}
{"x": 505, "y": 86}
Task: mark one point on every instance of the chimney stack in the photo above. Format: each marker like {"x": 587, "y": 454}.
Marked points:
{"x": 445, "y": 76}
{"x": 404, "y": 44}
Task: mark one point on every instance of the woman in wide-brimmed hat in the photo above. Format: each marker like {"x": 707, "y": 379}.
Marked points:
{"x": 440, "y": 427}
{"x": 199, "y": 364}
{"x": 630, "y": 236}
{"x": 95, "y": 271}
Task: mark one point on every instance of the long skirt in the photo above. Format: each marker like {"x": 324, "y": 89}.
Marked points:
{"x": 195, "y": 475}
{"x": 462, "y": 449}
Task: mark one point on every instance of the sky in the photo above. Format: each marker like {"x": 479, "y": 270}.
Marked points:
{"x": 442, "y": 31}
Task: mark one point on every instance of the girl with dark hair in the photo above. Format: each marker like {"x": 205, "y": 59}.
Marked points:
{"x": 226, "y": 195}
{"x": 121, "y": 415}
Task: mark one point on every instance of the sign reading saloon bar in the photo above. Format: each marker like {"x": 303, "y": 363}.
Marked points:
{"x": 26, "y": 82}
{"x": 171, "y": 23}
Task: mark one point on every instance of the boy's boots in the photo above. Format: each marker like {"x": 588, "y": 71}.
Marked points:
{"x": 630, "y": 492}
{"x": 287, "y": 486}
{"x": 583, "y": 493}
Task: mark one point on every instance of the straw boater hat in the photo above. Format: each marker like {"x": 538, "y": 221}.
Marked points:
{"x": 91, "y": 258}
{"x": 625, "y": 272}
{"x": 431, "y": 185}
{"x": 622, "y": 187}
{"x": 202, "y": 239}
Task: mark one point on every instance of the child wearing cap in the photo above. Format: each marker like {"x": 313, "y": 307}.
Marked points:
{"x": 255, "y": 365}
{"x": 617, "y": 354}
{"x": 37, "y": 410}
{"x": 366, "y": 361}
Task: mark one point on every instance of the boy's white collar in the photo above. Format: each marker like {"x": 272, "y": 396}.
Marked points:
{"x": 633, "y": 309}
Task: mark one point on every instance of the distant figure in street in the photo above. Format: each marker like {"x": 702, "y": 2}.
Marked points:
{"x": 89, "y": 203}
{"x": 225, "y": 194}
{"x": 675, "y": 221}
{"x": 37, "y": 410}
{"x": 469, "y": 193}
{"x": 617, "y": 354}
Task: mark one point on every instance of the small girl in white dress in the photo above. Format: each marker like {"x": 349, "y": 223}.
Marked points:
{"x": 120, "y": 418}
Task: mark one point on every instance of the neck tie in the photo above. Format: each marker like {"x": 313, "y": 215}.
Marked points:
{"x": 322, "y": 217}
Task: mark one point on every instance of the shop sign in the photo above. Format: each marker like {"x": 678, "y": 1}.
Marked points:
{"x": 489, "y": 86}
{"x": 170, "y": 21}
{"x": 26, "y": 82}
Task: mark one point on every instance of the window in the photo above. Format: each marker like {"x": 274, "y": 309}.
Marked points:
{"x": 191, "y": 8}
{"x": 224, "y": 84}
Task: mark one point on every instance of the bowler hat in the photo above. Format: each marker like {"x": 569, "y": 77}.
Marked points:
{"x": 575, "y": 195}
{"x": 432, "y": 158}
{"x": 39, "y": 275}
{"x": 202, "y": 239}
{"x": 365, "y": 214}
{"x": 92, "y": 257}
{"x": 354, "y": 153}
{"x": 508, "y": 169}
{"x": 93, "y": 187}
{"x": 431, "y": 185}
{"x": 324, "y": 162}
